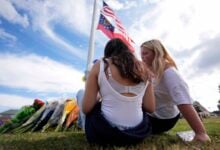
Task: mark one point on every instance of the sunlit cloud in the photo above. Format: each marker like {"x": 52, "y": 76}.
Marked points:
{"x": 8, "y": 12}
{"x": 63, "y": 13}
{"x": 181, "y": 24}
{"x": 190, "y": 31}
{"x": 14, "y": 101}
{"x": 38, "y": 74}
{"x": 204, "y": 88}
{"x": 116, "y": 5}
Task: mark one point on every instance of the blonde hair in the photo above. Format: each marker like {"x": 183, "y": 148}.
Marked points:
{"x": 162, "y": 57}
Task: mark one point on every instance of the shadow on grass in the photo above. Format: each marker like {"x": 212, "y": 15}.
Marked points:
{"x": 49, "y": 140}
{"x": 76, "y": 140}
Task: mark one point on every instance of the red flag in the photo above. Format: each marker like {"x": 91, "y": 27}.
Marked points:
{"x": 106, "y": 27}
{"x": 107, "y": 11}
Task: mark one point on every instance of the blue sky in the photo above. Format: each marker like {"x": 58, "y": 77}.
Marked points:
{"x": 44, "y": 44}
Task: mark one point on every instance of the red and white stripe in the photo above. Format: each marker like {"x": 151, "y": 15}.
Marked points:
{"x": 107, "y": 11}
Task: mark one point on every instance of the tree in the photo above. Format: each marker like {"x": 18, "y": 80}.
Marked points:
{"x": 218, "y": 100}
{"x": 218, "y": 105}
{"x": 219, "y": 88}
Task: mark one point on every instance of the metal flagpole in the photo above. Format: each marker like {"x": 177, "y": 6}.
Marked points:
{"x": 91, "y": 41}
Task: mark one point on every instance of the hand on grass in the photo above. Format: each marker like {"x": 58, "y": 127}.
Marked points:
{"x": 202, "y": 137}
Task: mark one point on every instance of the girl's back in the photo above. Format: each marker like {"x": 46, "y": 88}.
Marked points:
{"x": 121, "y": 98}
{"x": 118, "y": 78}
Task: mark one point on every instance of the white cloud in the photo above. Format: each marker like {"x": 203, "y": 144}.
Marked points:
{"x": 208, "y": 58}
{"x": 67, "y": 47}
{"x": 116, "y": 5}
{"x": 14, "y": 101}
{"x": 7, "y": 36}
{"x": 181, "y": 24}
{"x": 11, "y": 101}
{"x": 8, "y": 12}
{"x": 38, "y": 74}
{"x": 190, "y": 30}
{"x": 75, "y": 16}
{"x": 204, "y": 88}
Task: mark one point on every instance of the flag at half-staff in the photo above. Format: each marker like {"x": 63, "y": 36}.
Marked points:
{"x": 117, "y": 31}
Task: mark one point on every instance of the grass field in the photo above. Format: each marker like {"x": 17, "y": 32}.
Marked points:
{"x": 76, "y": 140}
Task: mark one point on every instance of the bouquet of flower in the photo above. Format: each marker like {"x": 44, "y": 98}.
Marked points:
{"x": 38, "y": 104}
{"x": 55, "y": 117}
{"x": 73, "y": 116}
{"x": 69, "y": 105}
{"x": 31, "y": 121}
{"x": 23, "y": 115}
{"x": 45, "y": 116}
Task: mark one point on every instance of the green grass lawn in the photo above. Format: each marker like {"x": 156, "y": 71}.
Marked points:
{"x": 76, "y": 140}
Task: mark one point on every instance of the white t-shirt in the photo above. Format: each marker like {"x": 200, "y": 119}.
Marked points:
{"x": 171, "y": 91}
{"x": 121, "y": 111}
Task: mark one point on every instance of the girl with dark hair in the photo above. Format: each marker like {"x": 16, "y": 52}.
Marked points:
{"x": 126, "y": 93}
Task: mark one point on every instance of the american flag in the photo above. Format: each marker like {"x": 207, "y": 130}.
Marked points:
{"x": 107, "y": 11}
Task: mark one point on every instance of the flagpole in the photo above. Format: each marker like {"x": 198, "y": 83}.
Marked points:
{"x": 91, "y": 41}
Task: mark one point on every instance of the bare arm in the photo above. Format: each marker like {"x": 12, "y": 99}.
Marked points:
{"x": 149, "y": 99}
{"x": 91, "y": 90}
{"x": 194, "y": 121}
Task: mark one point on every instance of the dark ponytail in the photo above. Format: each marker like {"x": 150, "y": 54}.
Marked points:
{"x": 127, "y": 64}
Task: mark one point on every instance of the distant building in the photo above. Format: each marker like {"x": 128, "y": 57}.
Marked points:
{"x": 4, "y": 119}
{"x": 201, "y": 110}
{"x": 1, "y": 121}
{"x": 216, "y": 113}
